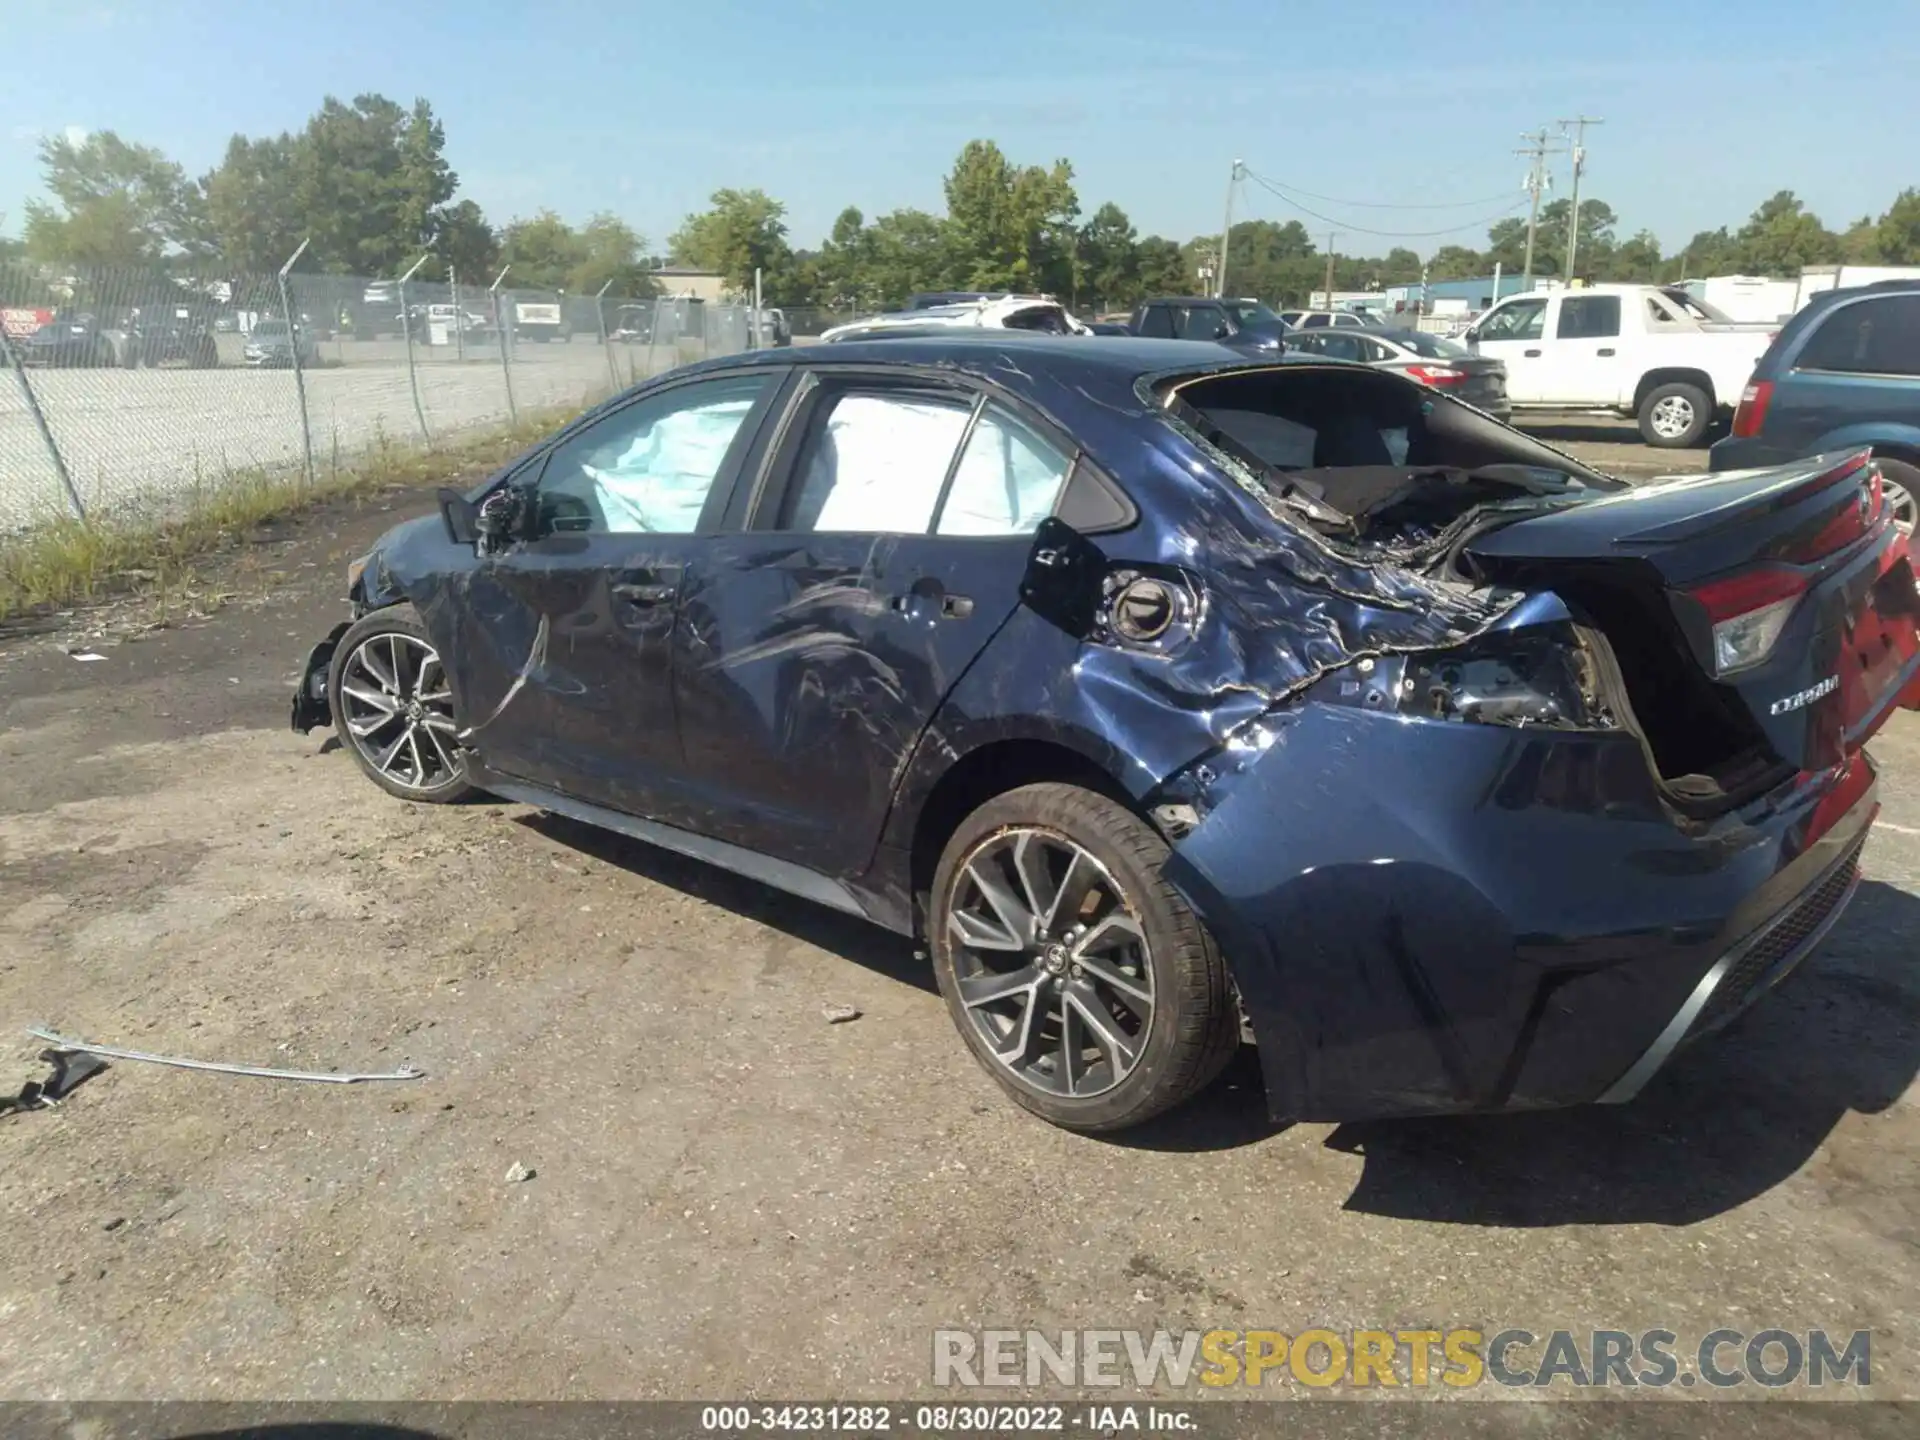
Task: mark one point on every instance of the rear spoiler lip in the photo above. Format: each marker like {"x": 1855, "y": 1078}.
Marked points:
{"x": 1797, "y": 480}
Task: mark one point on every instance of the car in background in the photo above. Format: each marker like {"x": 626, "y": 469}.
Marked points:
{"x": 927, "y": 300}
{"x": 774, "y": 330}
{"x": 165, "y": 332}
{"x": 1318, "y": 319}
{"x": 1476, "y": 379}
{"x": 1153, "y": 691}
{"x": 272, "y": 345}
{"x": 1243, "y": 324}
{"x": 72, "y": 339}
{"x": 1039, "y": 313}
{"x": 633, "y": 324}
{"x": 1843, "y": 372}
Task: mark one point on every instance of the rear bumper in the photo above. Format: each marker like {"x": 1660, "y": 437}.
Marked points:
{"x": 1430, "y": 917}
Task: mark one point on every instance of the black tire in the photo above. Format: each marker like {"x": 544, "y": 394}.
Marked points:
{"x": 443, "y": 769}
{"x": 1664, "y": 405}
{"x": 1192, "y": 1029}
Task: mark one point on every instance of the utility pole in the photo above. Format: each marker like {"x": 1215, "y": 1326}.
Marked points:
{"x": 1226, "y": 232}
{"x": 1537, "y": 151}
{"x": 1327, "y": 295}
{"x": 1578, "y": 126}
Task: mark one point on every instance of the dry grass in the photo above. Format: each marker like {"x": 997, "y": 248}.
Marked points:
{"x": 64, "y": 563}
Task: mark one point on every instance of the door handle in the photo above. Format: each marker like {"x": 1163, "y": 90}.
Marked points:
{"x": 1606, "y": 350}
{"x": 1531, "y": 354}
{"x": 956, "y": 607}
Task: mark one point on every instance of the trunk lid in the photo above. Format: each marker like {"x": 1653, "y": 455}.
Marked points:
{"x": 1787, "y": 590}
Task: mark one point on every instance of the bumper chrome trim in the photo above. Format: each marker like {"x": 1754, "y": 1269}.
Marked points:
{"x": 1678, "y": 1028}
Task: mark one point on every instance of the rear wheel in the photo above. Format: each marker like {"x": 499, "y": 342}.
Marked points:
{"x": 1675, "y": 416}
{"x": 1899, "y": 483}
{"x": 1077, "y": 976}
{"x": 393, "y": 708}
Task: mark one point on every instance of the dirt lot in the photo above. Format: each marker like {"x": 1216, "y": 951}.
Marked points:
{"x": 729, "y": 1194}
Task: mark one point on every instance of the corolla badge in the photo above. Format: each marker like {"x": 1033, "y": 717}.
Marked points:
{"x": 1787, "y": 704}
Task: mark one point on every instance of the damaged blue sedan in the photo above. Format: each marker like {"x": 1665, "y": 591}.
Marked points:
{"x": 1163, "y": 693}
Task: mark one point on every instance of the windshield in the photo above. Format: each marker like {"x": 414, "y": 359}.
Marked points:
{"x": 270, "y": 329}
{"x": 1254, "y": 313}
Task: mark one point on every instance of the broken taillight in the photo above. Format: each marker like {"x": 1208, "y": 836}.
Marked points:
{"x": 1748, "y": 611}
{"x": 1752, "y": 411}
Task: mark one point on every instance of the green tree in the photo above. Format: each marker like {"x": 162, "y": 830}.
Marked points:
{"x": 542, "y": 250}
{"x": 841, "y": 268}
{"x": 251, "y": 211}
{"x": 1109, "y": 258}
{"x": 1634, "y": 259}
{"x": 1008, "y": 227}
{"x": 115, "y": 203}
{"x": 609, "y": 250}
{"x": 1897, "y": 236}
{"x": 1782, "y": 236}
{"x": 745, "y": 230}
{"x": 1860, "y": 241}
{"x": 369, "y": 181}
{"x": 1458, "y": 262}
{"x": 468, "y": 243}
{"x": 909, "y": 250}
{"x": 1596, "y": 236}
{"x": 1507, "y": 249}
{"x": 1710, "y": 252}
{"x": 1163, "y": 268}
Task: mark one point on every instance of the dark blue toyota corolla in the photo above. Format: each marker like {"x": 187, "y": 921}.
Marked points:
{"x": 1162, "y": 693}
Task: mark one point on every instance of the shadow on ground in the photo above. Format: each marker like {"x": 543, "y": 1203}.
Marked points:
{"x": 1727, "y": 1120}
{"x": 880, "y": 951}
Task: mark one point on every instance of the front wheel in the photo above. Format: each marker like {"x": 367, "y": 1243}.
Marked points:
{"x": 1675, "y": 416}
{"x": 1899, "y": 483}
{"x": 1078, "y": 977}
{"x": 393, "y": 708}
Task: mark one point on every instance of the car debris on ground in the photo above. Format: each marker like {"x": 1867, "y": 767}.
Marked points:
{"x": 68, "y": 1043}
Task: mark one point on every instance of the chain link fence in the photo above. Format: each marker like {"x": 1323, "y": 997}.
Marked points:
{"x": 131, "y": 391}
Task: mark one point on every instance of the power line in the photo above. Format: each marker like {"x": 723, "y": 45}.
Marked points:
{"x": 1394, "y": 205}
{"x": 1481, "y": 223}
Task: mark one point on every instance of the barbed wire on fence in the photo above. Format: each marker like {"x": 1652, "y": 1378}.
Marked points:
{"x": 132, "y": 391}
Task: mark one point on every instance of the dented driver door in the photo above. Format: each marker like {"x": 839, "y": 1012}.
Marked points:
{"x": 580, "y": 612}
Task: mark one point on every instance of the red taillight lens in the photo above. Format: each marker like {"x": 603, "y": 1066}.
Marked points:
{"x": 1752, "y": 411}
{"x": 1437, "y": 375}
{"x": 1748, "y": 611}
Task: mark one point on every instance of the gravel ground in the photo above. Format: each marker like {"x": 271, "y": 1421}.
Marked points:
{"x": 729, "y": 1195}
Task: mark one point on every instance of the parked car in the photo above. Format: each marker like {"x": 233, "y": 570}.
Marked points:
{"x": 1009, "y": 312}
{"x": 165, "y": 332}
{"x": 633, "y": 324}
{"x": 1151, "y": 686}
{"x": 774, "y": 331}
{"x": 1319, "y": 319}
{"x": 1648, "y": 351}
{"x": 1844, "y": 372}
{"x": 70, "y": 340}
{"x": 1479, "y": 381}
{"x": 1244, "y": 324}
{"x": 272, "y": 345}
{"x": 930, "y": 299}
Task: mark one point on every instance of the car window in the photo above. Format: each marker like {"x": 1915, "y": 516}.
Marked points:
{"x": 875, "y": 460}
{"x": 1341, "y": 347}
{"x": 1516, "y": 320}
{"x": 1157, "y": 322}
{"x": 1373, "y": 352}
{"x": 1007, "y": 480}
{"x": 1313, "y": 321}
{"x": 1202, "y": 322}
{"x": 1588, "y": 317}
{"x": 647, "y": 468}
{"x": 1871, "y": 337}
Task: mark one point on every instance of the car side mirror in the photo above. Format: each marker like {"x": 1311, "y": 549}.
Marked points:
{"x": 1222, "y": 330}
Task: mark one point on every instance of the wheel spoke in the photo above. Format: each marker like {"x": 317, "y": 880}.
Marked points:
{"x": 1118, "y": 928}
{"x": 1120, "y": 1049}
{"x": 982, "y": 932}
{"x": 372, "y": 699}
{"x": 1133, "y": 992}
{"x": 992, "y": 985}
{"x": 393, "y": 656}
{"x": 413, "y": 749}
{"x": 446, "y": 758}
{"x": 1071, "y": 1065}
{"x": 384, "y": 764}
{"x": 1015, "y": 917}
{"x": 381, "y": 677}
{"x": 368, "y": 726}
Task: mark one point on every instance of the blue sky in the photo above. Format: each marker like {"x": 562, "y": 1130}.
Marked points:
{"x": 645, "y": 108}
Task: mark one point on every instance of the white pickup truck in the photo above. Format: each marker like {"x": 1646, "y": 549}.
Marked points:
{"x": 1647, "y": 351}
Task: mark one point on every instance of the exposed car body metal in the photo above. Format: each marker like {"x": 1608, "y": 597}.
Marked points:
{"x": 1007, "y": 312}
{"x": 1421, "y": 915}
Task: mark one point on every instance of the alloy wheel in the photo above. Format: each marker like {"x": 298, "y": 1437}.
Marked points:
{"x": 1672, "y": 417}
{"x": 1899, "y": 502}
{"x": 397, "y": 711}
{"x": 1051, "y": 962}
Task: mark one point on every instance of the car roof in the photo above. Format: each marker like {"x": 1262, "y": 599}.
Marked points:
{"x": 998, "y": 354}
{"x": 1877, "y": 287}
